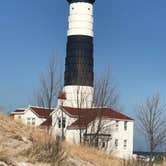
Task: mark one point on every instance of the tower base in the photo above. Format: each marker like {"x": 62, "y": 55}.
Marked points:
{"x": 78, "y": 96}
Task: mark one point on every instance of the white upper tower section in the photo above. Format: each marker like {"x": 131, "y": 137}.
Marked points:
{"x": 80, "y": 19}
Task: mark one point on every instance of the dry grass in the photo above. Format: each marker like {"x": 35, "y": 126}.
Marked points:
{"x": 21, "y": 143}
{"x": 3, "y": 156}
{"x": 46, "y": 150}
{"x": 133, "y": 162}
{"x": 91, "y": 155}
{"x": 12, "y": 127}
{"x": 12, "y": 135}
{"x": 99, "y": 157}
{"x": 42, "y": 148}
{"x": 6, "y": 159}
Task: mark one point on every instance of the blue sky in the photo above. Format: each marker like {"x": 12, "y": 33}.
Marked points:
{"x": 130, "y": 35}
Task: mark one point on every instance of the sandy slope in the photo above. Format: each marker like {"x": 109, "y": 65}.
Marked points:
{"x": 23, "y": 146}
{"x": 16, "y": 139}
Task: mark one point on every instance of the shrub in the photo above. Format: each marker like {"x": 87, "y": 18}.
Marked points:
{"x": 47, "y": 150}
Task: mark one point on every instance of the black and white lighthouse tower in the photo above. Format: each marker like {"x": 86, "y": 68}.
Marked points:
{"x": 78, "y": 81}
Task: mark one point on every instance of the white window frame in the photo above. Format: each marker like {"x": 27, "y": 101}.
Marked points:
{"x": 33, "y": 121}
{"x": 125, "y": 125}
{"x": 63, "y": 122}
{"x": 116, "y": 143}
{"x": 28, "y": 121}
{"x": 59, "y": 122}
{"x": 125, "y": 144}
{"x": 117, "y": 124}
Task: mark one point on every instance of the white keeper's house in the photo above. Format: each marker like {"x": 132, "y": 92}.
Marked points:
{"x": 115, "y": 135}
{"x": 116, "y": 129}
{"x": 75, "y": 117}
{"x": 33, "y": 116}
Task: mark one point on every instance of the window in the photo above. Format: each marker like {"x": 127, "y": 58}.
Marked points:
{"x": 125, "y": 144}
{"x": 59, "y": 122}
{"x": 103, "y": 144}
{"x": 116, "y": 143}
{"x": 125, "y": 125}
{"x": 117, "y": 125}
{"x": 28, "y": 121}
{"x": 63, "y": 122}
{"x": 33, "y": 121}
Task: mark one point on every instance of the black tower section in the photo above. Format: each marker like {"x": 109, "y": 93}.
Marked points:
{"x": 79, "y": 61}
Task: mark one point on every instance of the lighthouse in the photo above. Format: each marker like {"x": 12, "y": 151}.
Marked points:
{"x": 76, "y": 118}
{"x": 79, "y": 76}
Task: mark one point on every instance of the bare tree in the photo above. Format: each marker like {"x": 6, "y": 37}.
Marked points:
{"x": 81, "y": 101}
{"x": 106, "y": 93}
{"x": 152, "y": 123}
{"x": 50, "y": 84}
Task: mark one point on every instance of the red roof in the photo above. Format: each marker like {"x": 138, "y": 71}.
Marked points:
{"x": 47, "y": 122}
{"x": 82, "y": 121}
{"x": 19, "y": 110}
{"x": 11, "y": 116}
{"x": 77, "y": 111}
{"x": 40, "y": 111}
{"x": 88, "y": 115}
